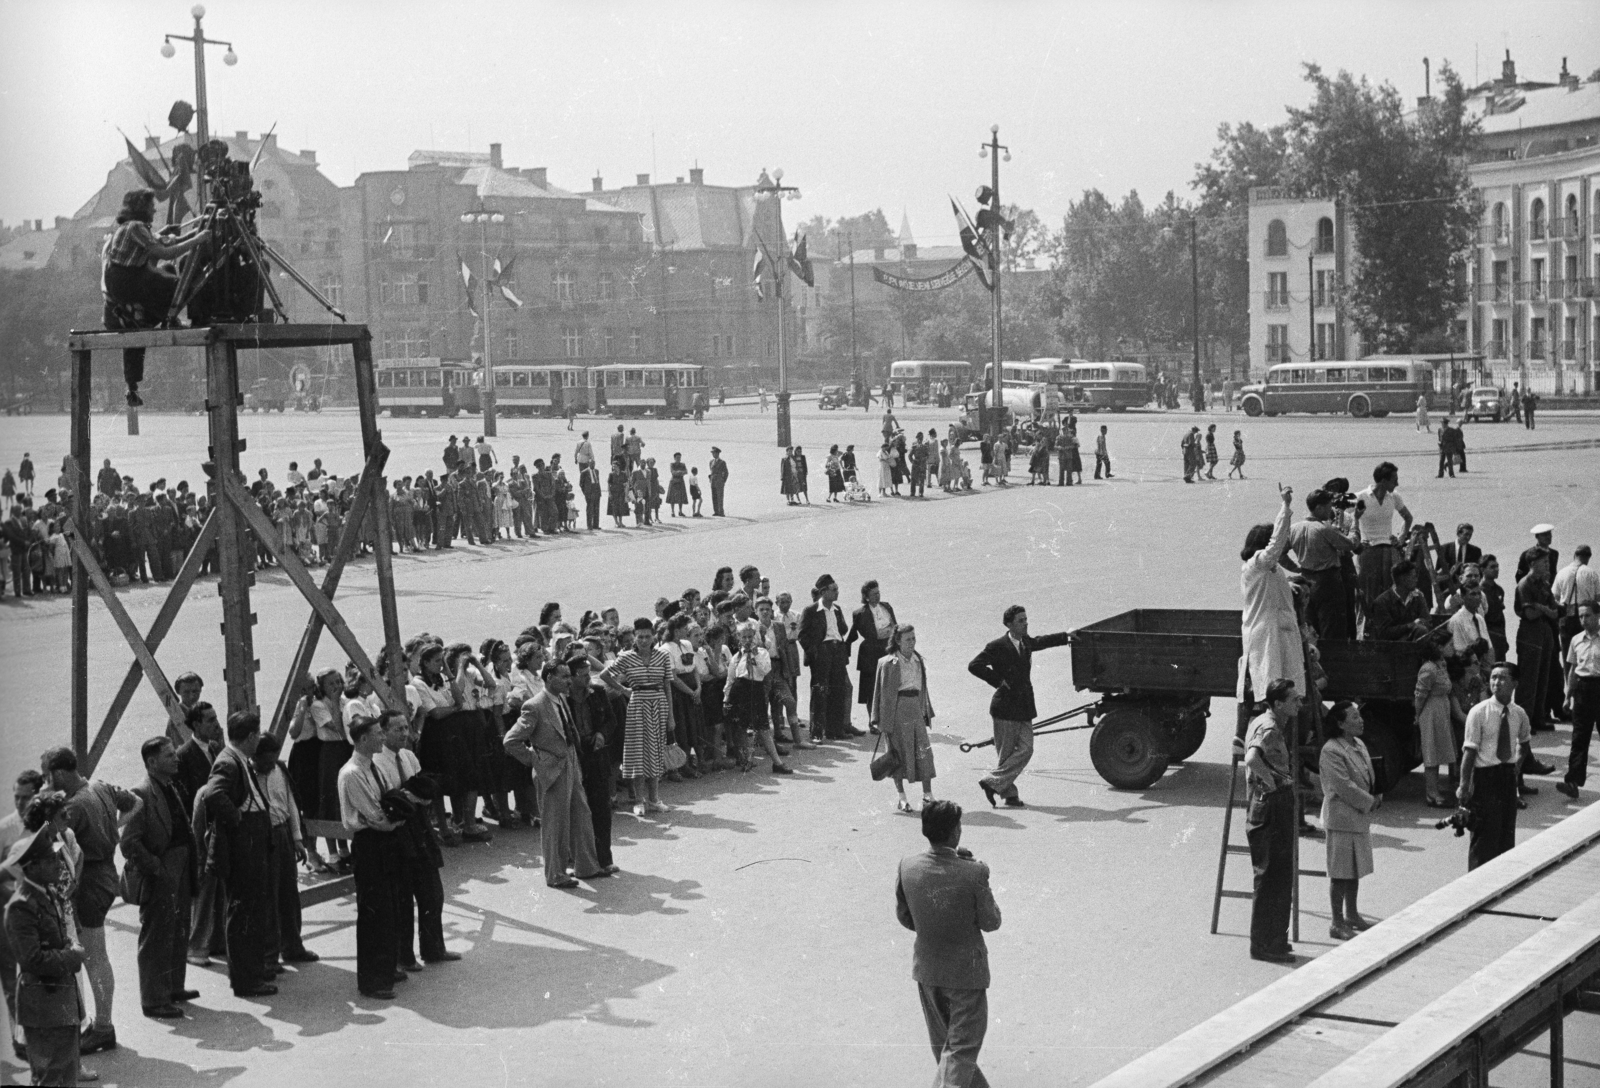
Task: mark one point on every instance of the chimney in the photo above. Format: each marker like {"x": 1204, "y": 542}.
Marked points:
{"x": 1568, "y": 79}
{"x": 598, "y": 183}
{"x": 310, "y": 156}
{"x": 908, "y": 251}
{"x": 61, "y": 222}
{"x": 877, "y": 253}
{"x": 641, "y": 179}
{"x": 539, "y": 175}
{"x": 38, "y": 224}
{"x": 241, "y": 134}
{"x": 151, "y": 142}
{"x": 680, "y": 179}
{"x": 1508, "y": 71}
{"x": 494, "y": 156}
{"x": 697, "y": 176}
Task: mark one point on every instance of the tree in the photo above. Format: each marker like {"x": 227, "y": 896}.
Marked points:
{"x": 1245, "y": 157}
{"x": 829, "y": 238}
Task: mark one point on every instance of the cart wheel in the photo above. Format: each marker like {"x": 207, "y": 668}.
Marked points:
{"x": 1187, "y": 737}
{"x": 1125, "y": 749}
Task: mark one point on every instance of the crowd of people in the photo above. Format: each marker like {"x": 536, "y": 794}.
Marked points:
{"x": 1348, "y": 571}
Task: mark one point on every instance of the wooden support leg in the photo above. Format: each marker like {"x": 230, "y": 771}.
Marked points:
{"x": 233, "y": 559}
{"x": 1558, "y": 1046}
{"x": 371, "y": 438}
{"x": 81, "y": 515}
{"x": 133, "y": 420}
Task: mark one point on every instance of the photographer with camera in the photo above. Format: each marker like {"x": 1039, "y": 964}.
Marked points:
{"x": 1320, "y": 549}
{"x": 137, "y": 291}
{"x": 1497, "y": 736}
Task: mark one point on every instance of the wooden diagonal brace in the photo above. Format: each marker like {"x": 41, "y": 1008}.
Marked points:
{"x": 235, "y": 493}
{"x": 161, "y": 625}
{"x": 371, "y": 474}
{"x": 147, "y": 660}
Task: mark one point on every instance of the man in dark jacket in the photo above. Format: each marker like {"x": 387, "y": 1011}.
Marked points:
{"x": 206, "y": 919}
{"x": 1006, "y": 664}
{"x": 236, "y": 803}
{"x": 48, "y": 961}
{"x": 822, "y": 637}
{"x": 158, "y": 875}
{"x": 599, "y": 750}
{"x": 718, "y": 475}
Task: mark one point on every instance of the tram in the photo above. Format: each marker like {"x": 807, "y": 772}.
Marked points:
{"x": 426, "y": 387}
{"x": 529, "y": 390}
{"x": 667, "y": 390}
{"x": 912, "y": 379}
{"x": 1369, "y": 387}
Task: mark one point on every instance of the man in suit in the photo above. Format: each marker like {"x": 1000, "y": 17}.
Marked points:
{"x": 48, "y": 1005}
{"x": 206, "y": 921}
{"x": 943, "y": 896}
{"x": 872, "y": 623}
{"x": 718, "y": 474}
{"x": 1458, "y": 553}
{"x": 421, "y": 898}
{"x": 822, "y": 637}
{"x": 377, "y": 856}
{"x": 157, "y": 847}
{"x": 599, "y": 750}
{"x": 546, "y": 739}
{"x": 237, "y": 804}
{"x": 1006, "y": 664}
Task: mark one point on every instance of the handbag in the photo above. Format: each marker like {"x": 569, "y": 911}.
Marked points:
{"x": 675, "y": 757}
{"x": 886, "y": 765}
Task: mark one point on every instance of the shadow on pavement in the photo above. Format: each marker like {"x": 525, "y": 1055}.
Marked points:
{"x": 126, "y": 1066}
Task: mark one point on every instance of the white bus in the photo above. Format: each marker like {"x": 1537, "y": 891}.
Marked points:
{"x": 911, "y": 379}
{"x": 1115, "y": 387}
{"x": 1368, "y": 387}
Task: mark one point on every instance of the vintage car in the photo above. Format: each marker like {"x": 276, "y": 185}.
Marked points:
{"x": 1489, "y": 403}
{"x": 833, "y": 396}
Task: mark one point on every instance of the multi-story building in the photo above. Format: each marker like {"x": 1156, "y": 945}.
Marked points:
{"x": 1299, "y": 253}
{"x": 577, "y": 264}
{"x": 1534, "y": 275}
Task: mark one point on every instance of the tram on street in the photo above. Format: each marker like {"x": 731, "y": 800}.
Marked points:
{"x": 426, "y": 387}
{"x": 1368, "y": 387}
{"x": 1109, "y": 386}
{"x": 545, "y": 390}
{"x": 912, "y": 379}
{"x": 666, "y": 390}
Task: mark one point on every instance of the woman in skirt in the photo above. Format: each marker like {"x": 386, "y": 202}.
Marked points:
{"x": 1238, "y": 456}
{"x": 646, "y": 672}
{"x": 1349, "y": 797}
{"x": 434, "y": 728}
{"x": 617, "y": 493}
{"x": 902, "y": 711}
{"x": 325, "y": 716}
{"x": 1211, "y": 452}
{"x": 474, "y": 694}
{"x": 677, "y": 485}
{"x": 1431, "y": 701}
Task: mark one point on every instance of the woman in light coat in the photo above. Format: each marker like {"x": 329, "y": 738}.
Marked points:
{"x": 1349, "y": 797}
{"x": 1272, "y": 646}
{"x": 1431, "y": 702}
{"x": 902, "y": 710}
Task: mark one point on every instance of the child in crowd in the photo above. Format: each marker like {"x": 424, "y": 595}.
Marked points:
{"x": 694, "y": 492}
{"x": 1238, "y": 455}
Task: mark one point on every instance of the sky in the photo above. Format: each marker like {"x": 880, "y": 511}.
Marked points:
{"x": 865, "y": 104}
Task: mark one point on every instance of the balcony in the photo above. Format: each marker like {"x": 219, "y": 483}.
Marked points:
{"x": 1491, "y": 235}
{"x": 1493, "y": 292}
{"x": 1277, "y": 300}
{"x": 1537, "y": 231}
{"x": 1536, "y": 349}
{"x": 1535, "y": 291}
{"x": 1497, "y": 349}
{"x": 1277, "y": 353}
{"x": 1325, "y": 300}
{"x": 1572, "y": 228}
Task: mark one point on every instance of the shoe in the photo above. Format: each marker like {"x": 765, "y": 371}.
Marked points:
{"x": 803, "y": 744}
{"x": 655, "y": 806}
{"x": 185, "y": 995}
{"x": 1437, "y": 802}
{"x": 902, "y": 805}
{"x": 782, "y": 749}
{"x": 639, "y": 809}
{"x": 134, "y": 401}
{"x": 1341, "y": 932}
{"x": 379, "y": 995}
{"x": 163, "y": 1012}
{"x": 445, "y": 957}
{"x": 598, "y": 874}
{"x": 852, "y": 731}
{"x": 304, "y": 955}
{"x": 1536, "y": 767}
{"x": 988, "y": 791}
{"x": 689, "y": 772}
{"x": 401, "y": 976}
{"x": 1310, "y": 831}
{"x": 874, "y": 730}
{"x": 199, "y": 961}
{"x": 21, "y": 1051}
{"x": 412, "y": 967}
{"x": 782, "y": 768}
{"x": 1015, "y": 802}
{"x": 1521, "y": 804}
{"x": 1358, "y": 923}
{"x": 1272, "y": 957}
{"x": 264, "y": 990}
{"x": 1527, "y": 791}
{"x": 1567, "y": 788}
{"x": 568, "y": 882}
{"x": 97, "y": 1039}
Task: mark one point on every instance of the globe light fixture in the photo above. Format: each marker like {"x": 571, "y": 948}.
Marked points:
{"x": 198, "y": 11}
{"x": 230, "y": 58}
{"x": 168, "y": 51}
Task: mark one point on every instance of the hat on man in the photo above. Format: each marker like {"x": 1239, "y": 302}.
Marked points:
{"x": 1542, "y": 528}
{"x": 716, "y": 449}
{"x": 31, "y": 847}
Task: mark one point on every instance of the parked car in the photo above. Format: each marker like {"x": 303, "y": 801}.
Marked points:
{"x": 833, "y": 396}
{"x": 1488, "y": 402}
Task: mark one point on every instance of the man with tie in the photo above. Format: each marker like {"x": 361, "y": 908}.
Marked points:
{"x": 159, "y": 876}
{"x": 238, "y": 806}
{"x": 545, "y": 739}
{"x": 822, "y": 637}
{"x": 1498, "y": 734}
{"x": 1006, "y": 665}
{"x": 719, "y": 481}
{"x": 376, "y": 856}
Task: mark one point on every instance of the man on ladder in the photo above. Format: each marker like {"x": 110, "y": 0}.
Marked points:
{"x": 1270, "y": 822}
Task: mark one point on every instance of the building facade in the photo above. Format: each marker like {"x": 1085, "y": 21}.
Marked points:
{"x": 1299, "y": 254}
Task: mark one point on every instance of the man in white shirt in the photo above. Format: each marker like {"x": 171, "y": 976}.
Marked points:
{"x": 287, "y": 848}
{"x": 1583, "y": 695}
{"x": 1577, "y": 583}
{"x": 1497, "y": 737}
{"x": 25, "y": 789}
{"x": 421, "y": 900}
{"x": 296, "y": 477}
{"x": 584, "y": 453}
{"x": 486, "y": 455}
{"x": 375, "y": 852}
{"x": 1468, "y": 626}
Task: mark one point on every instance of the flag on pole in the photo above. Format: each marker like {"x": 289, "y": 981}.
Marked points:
{"x": 756, "y": 271}
{"x": 141, "y": 166}
{"x": 973, "y": 244}
{"x": 800, "y": 262}
{"x": 469, "y": 281}
{"x": 500, "y": 280}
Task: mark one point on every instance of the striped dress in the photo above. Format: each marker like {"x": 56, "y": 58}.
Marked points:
{"x": 649, "y": 717}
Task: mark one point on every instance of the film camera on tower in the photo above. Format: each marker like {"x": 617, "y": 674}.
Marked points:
{"x": 214, "y": 268}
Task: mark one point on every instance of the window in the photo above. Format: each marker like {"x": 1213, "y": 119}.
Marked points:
{"x": 403, "y": 288}
{"x": 1277, "y": 239}
{"x": 1325, "y": 345}
{"x": 1277, "y": 343}
{"x": 1572, "y": 216}
{"x": 1501, "y": 233}
{"x": 634, "y": 378}
{"x": 385, "y": 379}
{"x": 1324, "y": 235}
{"x": 538, "y": 378}
{"x": 333, "y": 289}
{"x": 728, "y": 342}
{"x": 330, "y": 243}
{"x": 1570, "y": 287}
{"x": 1324, "y": 289}
{"x": 406, "y": 344}
{"x": 1399, "y": 374}
{"x": 609, "y": 339}
{"x": 1536, "y": 288}
{"x": 635, "y": 341}
{"x": 504, "y": 378}
{"x": 1536, "y": 219}
{"x": 513, "y": 344}
{"x": 305, "y": 242}
{"x": 655, "y": 377}
{"x": 435, "y": 378}
{"x": 615, "y": 378}
{"x": 562, "y": 286}
{"x": 1336, "y": 374}
{"x": 716, "y": 344}
{"x": 1277, "y": 290}
{"x": 571, "y": 341}
{"x": 1569, "y": 339}
{"x": 405, "y": 241}
{"x": 608, "y": 285}
{"x": 1497, "y": 338}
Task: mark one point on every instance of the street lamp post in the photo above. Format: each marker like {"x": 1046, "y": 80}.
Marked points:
{"x": 483, "y": 217}
{"x": 202, "y": 132}
{"x": 775, "y": 189}
{"x": 993, "y": 150}
{"x": 1196, "y": 390}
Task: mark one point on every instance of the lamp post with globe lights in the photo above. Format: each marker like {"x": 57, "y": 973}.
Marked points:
{"x": 202, "y": 130}
{"x": 1196, "y": 389}
{"x": 994, "y": 151}
{"x": 772, "y": 188}
{"x": 483, "y": 217}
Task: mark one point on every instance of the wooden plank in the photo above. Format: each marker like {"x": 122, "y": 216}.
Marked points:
{"x": 158, "y": 629}
{"x": 100, "y": 340}
{"x": 348, "y": 536}
{"x": 244, "y": 336}
{"x": 1557, "y": 892}
{"x": 383, "y": 561}
{"x": 235, "y": 493}
{"x": 1297, "y": 1053}
{"x": 1212, "y": 1042}
{"x": 82, "y": 397}
{"x": 147, "y": 661}
{"x": 1433, "y": 1032}
{"x": 233, "y": 560}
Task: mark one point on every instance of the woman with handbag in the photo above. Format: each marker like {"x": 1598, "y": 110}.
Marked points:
{"x": 901, "y": 711}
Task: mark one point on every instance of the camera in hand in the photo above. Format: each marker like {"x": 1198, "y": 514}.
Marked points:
{"x": 1461, "y": 820}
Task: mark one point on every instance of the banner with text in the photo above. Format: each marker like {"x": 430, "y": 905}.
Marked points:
{"x": 954, "y": 274}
